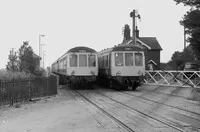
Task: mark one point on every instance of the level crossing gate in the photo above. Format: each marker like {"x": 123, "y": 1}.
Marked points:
{"x": 173, "y": 78}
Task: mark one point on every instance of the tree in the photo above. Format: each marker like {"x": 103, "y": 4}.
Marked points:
{"x": 191, "y": 22}
{"x": 27, "y": 62}
{"x": 12, "y": 64}
{"x": 192, "y": 3}
{"x": 178, "y": 59}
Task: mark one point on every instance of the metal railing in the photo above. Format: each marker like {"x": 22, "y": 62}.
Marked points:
{"x": 23, "y": 90}
{"x": 173, "y": 78}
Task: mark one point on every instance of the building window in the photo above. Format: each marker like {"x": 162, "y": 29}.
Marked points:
{"x": 119, "y": 59}
{"x": 73, "y": 60}
{"x": 150, "y": 66}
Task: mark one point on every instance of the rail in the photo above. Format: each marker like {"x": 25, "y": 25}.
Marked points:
{"x": 173, "y": 78}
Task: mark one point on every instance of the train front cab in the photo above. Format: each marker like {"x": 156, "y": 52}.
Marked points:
{"x": 127, "y": 69}
{"x": 82, "y": 68}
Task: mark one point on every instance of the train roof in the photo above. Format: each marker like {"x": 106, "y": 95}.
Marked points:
{"x": 76, "y": 49}
{"x": 125, "y": 47}
{"x": 81, "y": 49}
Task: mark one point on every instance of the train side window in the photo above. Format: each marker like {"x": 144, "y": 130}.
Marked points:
{"x": 82, "y": 60}
{"x": 73, "y": 60}
{"x": 119, "y": 59}
{"x": 129, "y": 59}
{"x": 66, "y": 61}
{"x": 92, "y": 60}
{"x": 106, "y": 60}
{"x": 101, "y": 61}
{"x": 138, "y": 59}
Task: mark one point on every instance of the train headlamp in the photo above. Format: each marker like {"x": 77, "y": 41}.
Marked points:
{"x": 139, "y": 73}
{"x": 118, "y": 73}
{"x": 73, "y": 73}
{"x": 92, "y": 72}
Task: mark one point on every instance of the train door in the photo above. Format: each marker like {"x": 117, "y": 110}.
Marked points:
{"x": 110, "y": 64}
{"x": 65, "y": 66}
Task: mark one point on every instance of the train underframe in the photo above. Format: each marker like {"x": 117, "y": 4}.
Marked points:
{"x": 77, "y": 81}
{"x": 81, "y": 81}
{"x": 122, "y": 82}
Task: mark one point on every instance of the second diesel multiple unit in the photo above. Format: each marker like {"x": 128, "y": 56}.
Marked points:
{"x": 122, "y": 66}
{"x": 78, "y": 66}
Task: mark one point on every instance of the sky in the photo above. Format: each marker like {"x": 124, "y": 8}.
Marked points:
{"x": 93, "y": 23}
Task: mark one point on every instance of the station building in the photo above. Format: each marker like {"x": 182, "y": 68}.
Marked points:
{"x": 149, "y": 44}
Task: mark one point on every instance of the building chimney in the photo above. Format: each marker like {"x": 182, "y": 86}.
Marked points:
{"x": 126, "y": 33}
{"x": 137, "y": 32}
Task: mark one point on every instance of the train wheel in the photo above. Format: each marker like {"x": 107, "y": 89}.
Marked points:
{"x": 118, "y": 87}
{"x": 133, "y": 87}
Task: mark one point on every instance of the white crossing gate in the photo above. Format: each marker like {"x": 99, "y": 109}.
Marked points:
{"x": 173, "y": 78}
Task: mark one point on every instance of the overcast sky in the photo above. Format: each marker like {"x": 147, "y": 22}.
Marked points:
{"x": 93, "y": 23}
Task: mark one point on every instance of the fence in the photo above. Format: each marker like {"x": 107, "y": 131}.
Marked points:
{"x": 173, "y": 78}
{"x": 24, "y": 90}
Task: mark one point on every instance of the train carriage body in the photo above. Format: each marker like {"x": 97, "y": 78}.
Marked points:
{"x": 122, "y": 65}
{"x": 78, "y": 66}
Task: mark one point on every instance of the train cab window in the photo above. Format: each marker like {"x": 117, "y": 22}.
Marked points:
{"x": 138, "y": 59}
{"x": 119, "y": 59}
{"x": 73, "y": 60}
{"x": 82, "y": 60}
{"x": 128, "y": 59}
{"x": 91, "y": 60}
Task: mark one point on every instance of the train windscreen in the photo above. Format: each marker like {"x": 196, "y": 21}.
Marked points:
{"x": 119, "y": 59}
{"x": 82, "y": 60}
{"x": 91, "y": 60}
{"x": 128, "y": 59}
{"x": 73, "y": 60}
{"x": 138, "y": 59}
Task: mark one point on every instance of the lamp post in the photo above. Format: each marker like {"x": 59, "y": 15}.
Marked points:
{"x": 43, "y": 57}
{"x": 40, "y": 44}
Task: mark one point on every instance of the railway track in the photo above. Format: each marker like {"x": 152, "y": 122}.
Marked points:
{"x": 106, "y": 113}
{"x": 126, "y": 106}
{"x": 150, "y": 116}
{"x": 164, "y": 104}
{"x": 178, "y": 96}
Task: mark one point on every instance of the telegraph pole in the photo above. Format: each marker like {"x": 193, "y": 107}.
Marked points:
{"x": 133, "y": 15}
{"x": 184, "y": 38}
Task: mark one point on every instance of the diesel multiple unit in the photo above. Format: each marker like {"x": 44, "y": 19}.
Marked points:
{"x": 78, "y": 66}
{"x": 121, "y": 67}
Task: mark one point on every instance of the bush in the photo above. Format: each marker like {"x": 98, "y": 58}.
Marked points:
{"x": 40, "y": 72}
{"x": 9, "y": 75}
